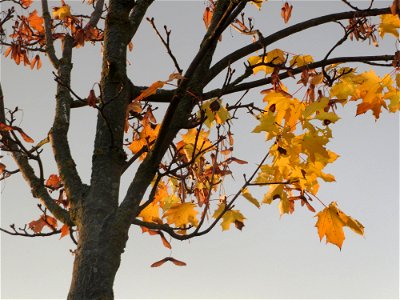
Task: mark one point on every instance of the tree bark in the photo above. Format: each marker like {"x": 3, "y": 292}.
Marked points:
{"x": 97, "y": 259}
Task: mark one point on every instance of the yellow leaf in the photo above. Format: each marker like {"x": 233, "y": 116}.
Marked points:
{"x": 215, "y": 111}
{"x": 301, "y": 60}
{"x": 229, "y": 217}
{"x": 181, "y": 214}
{"x": 330, "y": 224}
{"x": 389, "y": 24}
{"x": 246, "y": 194}
{"x": 151, "y": 213}
{"x": 61, "y": 12}
{"x": 274, "y": 57}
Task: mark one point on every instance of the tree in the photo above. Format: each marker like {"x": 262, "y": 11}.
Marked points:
{"x": 183, "y": 161}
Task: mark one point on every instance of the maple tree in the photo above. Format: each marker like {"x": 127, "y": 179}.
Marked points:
{"x": 183, "y": 160}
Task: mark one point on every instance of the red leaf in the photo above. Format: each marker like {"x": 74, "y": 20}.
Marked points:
{"x": 37, "y": 226}
{"x": 91, "y": 99}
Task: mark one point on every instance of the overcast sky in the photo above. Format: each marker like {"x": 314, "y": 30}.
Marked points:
{"x": 272, "y": 257}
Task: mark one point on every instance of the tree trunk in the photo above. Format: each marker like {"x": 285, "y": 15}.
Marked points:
{"x": 97, "y": 258}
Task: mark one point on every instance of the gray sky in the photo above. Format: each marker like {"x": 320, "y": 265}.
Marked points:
{"x": 272, "y": 257}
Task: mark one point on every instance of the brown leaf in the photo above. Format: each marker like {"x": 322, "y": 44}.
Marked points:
{"x": 239, "y": 161}
{"x": 164, "y": 240}
{"x": 130, "y": 46}
{"x": 286, "y": 12}
{"x": 171, "y": 259}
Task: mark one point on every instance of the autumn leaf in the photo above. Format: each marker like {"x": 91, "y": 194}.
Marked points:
{"x": 37, "y": 226}
{"x": 246, "y": 194}
{"x": 182, "y": 214}
{"x": 61, "y": 13}
{"x": 36, "y": 22}
{"x": 389, "y": 24}
{"x": 274, "y": 57}
{"x": 2, "y": 168}
{"x": 229, "y": 217}
{"x": 286, "y": 12}
{"x": 25, "y": 137}
{"x": 64, "y": 230}
{"x": 171, "y": 259}
{"x": 26, "y": 3}
{"x": 330, "y": 224}
{"x": 91, "y": 99}
{"x": 207, "y": 16}
{"x": 54, "y": 182}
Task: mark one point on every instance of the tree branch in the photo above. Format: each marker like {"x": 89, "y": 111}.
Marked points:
{"x": 257, "y": 83}
{"x": 38, "y": 189}
{"x": 59, "y": 133}
{"x": 49, "y": 39}
{"x": 246, "y": 50}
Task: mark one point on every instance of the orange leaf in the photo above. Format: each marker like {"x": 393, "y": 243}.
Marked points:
{"x": 4, "y": 127}
{"x": 7, "y": 52}
{"x": 37, "y": 226}
{"x": 26, "y": 137}
{"x": 2, "y": 168}
{"x": 286, "y": 12}
{"x": 35, "y": 21}
{"x": 54, "y": 182}
{"x": 64, "y": 230}
{"x": 207, "y": 16}
{"x": 26, "y": 3}
{"x": 152, "y": 89}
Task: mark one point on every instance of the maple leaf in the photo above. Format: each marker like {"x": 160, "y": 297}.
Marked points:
{"x": 215, "y": 111}
{"x": 37, "y": 226}
{"x": 181, "y": 214}
{"x": 36, "y": 61}
{"x": 330, "y": 224}
{"x": 229, "y": 217}
{"x": 54, "y": 182}
{"x": 389, "y": 24}
{"x": 301, "y": 60}
{"x": 61, "y": 13}
{"x": 36, "y": 22}
{"x": 274, "y": 57}
{"x": 151, "y": 213}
